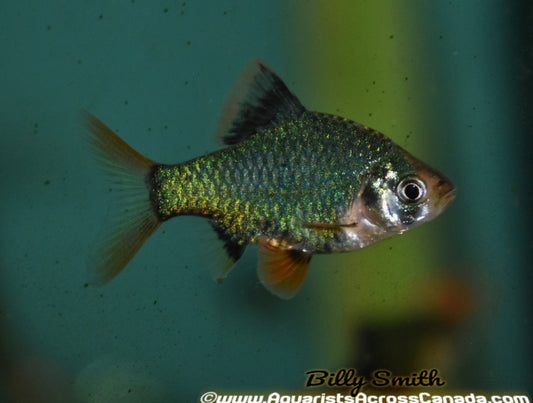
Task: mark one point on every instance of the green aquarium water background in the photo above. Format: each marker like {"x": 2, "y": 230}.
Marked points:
{"x": 450, "y": 81}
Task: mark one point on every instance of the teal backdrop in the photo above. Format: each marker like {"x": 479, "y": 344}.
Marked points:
{"x": 448, "y": 80}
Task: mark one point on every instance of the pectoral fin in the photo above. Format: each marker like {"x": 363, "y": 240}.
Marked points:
{"x": 326, "y": 226}
{"x": 282, "y": 271}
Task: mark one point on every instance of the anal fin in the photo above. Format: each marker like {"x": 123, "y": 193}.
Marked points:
{"x": 282, "y": 271}
{"x": 232, "y": 251}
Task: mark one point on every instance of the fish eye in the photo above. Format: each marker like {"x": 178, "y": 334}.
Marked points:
{"x": 411, "y": 190}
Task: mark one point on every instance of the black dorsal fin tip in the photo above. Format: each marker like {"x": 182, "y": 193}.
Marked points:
{"x": 258, "y": 98}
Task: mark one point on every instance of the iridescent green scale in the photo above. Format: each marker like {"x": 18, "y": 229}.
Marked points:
{"x": 281, "y": 183}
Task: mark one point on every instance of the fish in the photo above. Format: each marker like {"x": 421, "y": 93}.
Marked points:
{"x": 295, "y": 182}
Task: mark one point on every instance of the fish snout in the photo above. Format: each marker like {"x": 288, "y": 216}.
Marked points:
{"x": 442, "y": 193}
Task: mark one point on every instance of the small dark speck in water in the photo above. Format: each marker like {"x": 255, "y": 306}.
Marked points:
{"x": 155, "y": 302}
{"x": 48, "y": 27}
{"x": 391, "y": 36}
{"x": 47, "y": 182}
{"x": 125, "y": 102}
{"x": 86, "y": 285}
{"x": 188, "y": 43}
{"x": 165, "y": 10}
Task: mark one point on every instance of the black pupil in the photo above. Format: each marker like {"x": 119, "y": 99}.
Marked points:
{"x": 412, "y": 191}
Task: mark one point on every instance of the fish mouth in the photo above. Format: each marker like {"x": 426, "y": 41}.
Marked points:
{"x": 445, "y": 191}
{"x": 439, "y": 202}
{"x": 441, "y": 191}
{"x": 440, "y": 188}
{"x": 446, "y": 199}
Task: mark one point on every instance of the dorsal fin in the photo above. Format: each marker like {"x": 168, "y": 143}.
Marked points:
{"x": 259, "y": 98}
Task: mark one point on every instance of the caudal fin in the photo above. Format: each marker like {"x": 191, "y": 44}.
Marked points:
{"x": 131, "y": 218}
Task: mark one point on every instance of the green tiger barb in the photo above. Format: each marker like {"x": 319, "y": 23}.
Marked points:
{"x": 293, "y": 181}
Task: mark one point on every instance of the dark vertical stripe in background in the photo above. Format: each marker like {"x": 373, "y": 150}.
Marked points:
{"x": 488, "y": 115}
